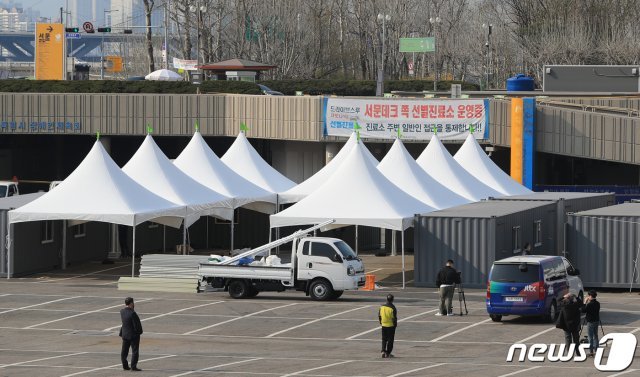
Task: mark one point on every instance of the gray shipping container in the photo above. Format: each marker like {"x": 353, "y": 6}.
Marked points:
{"x": 567, "y": 202}
{"x": 603, "y": 244}
{"x": 475, "y": 235}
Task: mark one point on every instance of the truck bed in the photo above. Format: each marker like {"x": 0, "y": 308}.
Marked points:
{"x": 245, "y": 272}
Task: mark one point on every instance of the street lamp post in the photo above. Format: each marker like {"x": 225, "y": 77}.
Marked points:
{"x": 487, "y": 45}
{"x": 102, "y": 42}
{"x": 380, "y": 81}
{"x": 198, "y": 10}
{"x": 434, "y": 22}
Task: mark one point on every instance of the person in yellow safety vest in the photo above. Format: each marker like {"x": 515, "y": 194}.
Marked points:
{"x": 388, "y": 317}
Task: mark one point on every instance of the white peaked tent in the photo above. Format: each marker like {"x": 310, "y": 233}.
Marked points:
{"x": 439, "y": 164}
{"x": 243, "y": 159}
{"x": 401, "y": 169}
{"x": 153, "y": 170}
{"x": 164, "y": 75}
{"x": 97, "y": 190}
{"x": 473, "y": 159}
{"x": 355, "y": 194}
{"x": 305, "y": 188}
{"x": 199, "y": 162}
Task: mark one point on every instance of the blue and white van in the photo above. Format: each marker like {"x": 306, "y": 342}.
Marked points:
{"x": 530, "y": 285}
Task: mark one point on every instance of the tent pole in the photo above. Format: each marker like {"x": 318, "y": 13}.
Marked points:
{"x": 64, "y": 244}
{"x": 164, "y": 239}
{"x": 184, "y": 236}
{"x": 393, "y": 243}
{"x": 233, "y": 217}
{"x": 207, "y": 241}
{"x": 133, "y": 256}
{"x": 402, "y": 240}
{"x": 277, "y": 229}
{"x": 356, "y": 240}
{"x": 9, "y": 250}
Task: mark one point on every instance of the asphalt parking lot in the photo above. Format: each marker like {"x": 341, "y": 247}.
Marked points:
{"x": 65, "y": 323}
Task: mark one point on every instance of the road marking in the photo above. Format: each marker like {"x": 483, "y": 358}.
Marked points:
{"x": 173, "y": 312}
{"x": 535, "y": 335}
{"x": 625, "y": 372}
{"x": 402, "y": 320}
{"x": 43, "y": 359}
{"x": 316, "y": 320}
{"x": 519, "y": 371}
{"x": 217, "y": 366}
{"x": 460, "y": 330}
{"x": 636, "y": 330}
{"x": 376, "y": 270}
{"x": 238, "y": 318}
{"x": 44, "y": 303}
{"x": 79, "y": 276}
{"x": 415, "y": 370}
{"x": 78, "y": 315}
{"x": 316, "y": 368}
{"x": 116, "y": 365}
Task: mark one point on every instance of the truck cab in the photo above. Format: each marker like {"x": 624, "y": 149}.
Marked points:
{"x": 328, "y": 266}
{"x": 8, "y": 188}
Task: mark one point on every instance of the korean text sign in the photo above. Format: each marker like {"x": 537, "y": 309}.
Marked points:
{"x": 49, "y": 59}
{"x": 452, "y": 119}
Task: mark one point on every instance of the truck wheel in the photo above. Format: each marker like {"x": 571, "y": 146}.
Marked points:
{"x": 252, "y": 292}
{"x": 495, "y": 317}
{"x": 238, "y": 289}
{"x": 337, "y": 294}
{"x": 321, "y": 290}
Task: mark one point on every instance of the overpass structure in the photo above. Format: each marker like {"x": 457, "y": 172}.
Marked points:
{"x": 19, "y": 47}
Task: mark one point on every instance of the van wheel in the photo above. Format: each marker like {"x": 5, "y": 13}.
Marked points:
{"x": 321, "y": 290}
{"x": 552, "y": 315}
{"x": 337, "y": 294}
{"x": 238, "y": 289}
{"x": 495, "y": 317}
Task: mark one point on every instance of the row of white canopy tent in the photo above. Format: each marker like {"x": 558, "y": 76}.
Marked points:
{"x": 152, "y": 188}
{"x": 198, "y": 183}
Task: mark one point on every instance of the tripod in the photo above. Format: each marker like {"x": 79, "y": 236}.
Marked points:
{"x": 462, "y": 299}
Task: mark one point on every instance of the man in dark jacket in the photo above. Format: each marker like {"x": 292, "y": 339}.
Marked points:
{"x": 388, "y": 318}
{"x": 592, "y": 308}
{"x": 130, "y": 332}
{"x": 446, "y": 282}
{"x": 570, "y": 319}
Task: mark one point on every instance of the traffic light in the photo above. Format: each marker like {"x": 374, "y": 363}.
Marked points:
{"x": 72, "y": 30}
{"x": 127, "y": 31}
{"x": 104, "y": 30}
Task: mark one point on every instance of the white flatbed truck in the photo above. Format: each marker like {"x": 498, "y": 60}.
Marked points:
{"x": 321, "y": 267}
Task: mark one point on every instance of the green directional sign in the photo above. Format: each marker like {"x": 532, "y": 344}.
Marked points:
{"x": 427, "y": 44}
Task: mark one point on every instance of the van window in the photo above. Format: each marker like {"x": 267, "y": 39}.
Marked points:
{"x": 511, "y": 273}
{"x": 320, "y": 249}
{"x": 305, "y": 248}
{"x": 568, "y": 266}
{"x": 3, "y": 191}
{"x": 346, "y": 250}
{"x": 12, "y": 190}
{"x": 554, "y": 270}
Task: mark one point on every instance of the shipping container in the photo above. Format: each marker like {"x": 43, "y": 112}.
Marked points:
{"x": 475, "y": 235}
{"x": 604, "y": 244}
{"x": 567, "y": 202}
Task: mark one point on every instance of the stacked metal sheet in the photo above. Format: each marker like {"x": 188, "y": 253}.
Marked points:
{"x": 181, "y": 285}
{"x": 171, "y": 266}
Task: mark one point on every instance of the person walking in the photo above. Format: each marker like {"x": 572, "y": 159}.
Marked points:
{"x": 592, "y": 309}
{"x": 130, "y": 332}
{"x": 569, "y": 319}
{"x": 388, "y": 318}
{"x": 446, "y": 281}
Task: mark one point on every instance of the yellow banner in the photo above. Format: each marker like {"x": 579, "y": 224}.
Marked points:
{"x": 49, "y": 59}
{"x": 114, "y": 63}
{"x": 516, "y": 138}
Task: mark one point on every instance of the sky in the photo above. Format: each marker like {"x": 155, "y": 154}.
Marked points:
{"x": 47, "y": 8}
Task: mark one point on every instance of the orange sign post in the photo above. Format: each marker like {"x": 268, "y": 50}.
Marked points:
{"x": 114, "y": 63}
{"x": 49, "y": 59}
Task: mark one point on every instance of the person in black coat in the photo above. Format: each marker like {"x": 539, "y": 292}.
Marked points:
{"x": 446, "y": 282}
{"x": 130, "y": 332}
{"x": 569, "y": 319}
{"x": 592, "y": 309}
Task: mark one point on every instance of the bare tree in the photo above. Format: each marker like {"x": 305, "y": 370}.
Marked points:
{"x": 148, "y": 9}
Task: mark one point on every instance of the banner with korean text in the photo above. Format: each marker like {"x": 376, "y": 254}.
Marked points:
{"x": 451, "y": 119}
{"x": 49, "y": 52}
